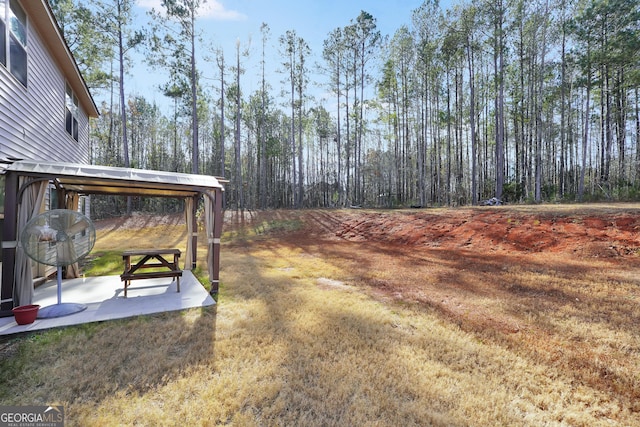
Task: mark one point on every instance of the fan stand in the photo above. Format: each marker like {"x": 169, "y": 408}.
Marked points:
{"x": 60, "y": 309}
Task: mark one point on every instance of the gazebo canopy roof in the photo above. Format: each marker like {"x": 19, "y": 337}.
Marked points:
{"x": 92, "y": 179}
{"x": 84, "y": 179}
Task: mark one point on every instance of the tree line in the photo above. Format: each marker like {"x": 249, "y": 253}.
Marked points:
{"x": 522, "y": 101}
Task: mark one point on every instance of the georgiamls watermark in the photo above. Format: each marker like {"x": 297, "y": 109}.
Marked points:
{"x": 31, "y": 416}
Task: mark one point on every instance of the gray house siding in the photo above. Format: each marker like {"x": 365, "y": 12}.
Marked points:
{"x": 32, "y": 118}
{"x": 32, "y": 121}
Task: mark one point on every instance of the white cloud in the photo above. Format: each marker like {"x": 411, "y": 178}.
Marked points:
{"x": 216, "y": 10}
{"x": 209, "y": 9}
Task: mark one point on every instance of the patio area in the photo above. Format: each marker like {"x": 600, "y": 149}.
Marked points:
{"x": 28, "y": 182}
{"x": 104, "y": 297}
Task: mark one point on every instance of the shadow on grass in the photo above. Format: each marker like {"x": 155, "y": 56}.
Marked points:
{"x": 92, "y": 362}
{"x": 338, "y": 363}
{"x": 87, "y": 364}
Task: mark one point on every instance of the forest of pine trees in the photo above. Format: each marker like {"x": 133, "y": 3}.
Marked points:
{"x": 525, "y": 101}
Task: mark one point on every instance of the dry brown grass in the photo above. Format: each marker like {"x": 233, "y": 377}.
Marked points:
{"x": 315, "y": 330}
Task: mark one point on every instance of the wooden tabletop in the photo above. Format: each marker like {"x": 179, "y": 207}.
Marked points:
{"x": 135, "y": 252}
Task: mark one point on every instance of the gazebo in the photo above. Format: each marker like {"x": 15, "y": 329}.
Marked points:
{"x": 26, "y": 182}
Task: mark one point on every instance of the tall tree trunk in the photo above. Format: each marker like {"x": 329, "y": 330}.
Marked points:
{"x": 585, "y": 136}
{"x": 540, "y": 104}
{"x": 300, "y": 200}
{"x": 521, "y": 163}
{"x": 347, "y": 144}
{"x": 637, "y": 92}
{"x": 472, "y": 125}
{"x": 449, "y": 142}
{"x": 222, "y": 124}
{"x": 608, "y": 126}
{"x": 620, "y": 121}
{"x": 123, "y": 106}
{"x": 238, "y": 158}
{"x": 293, "y": 131}
{"x": 339, "y": 139}
{"x": 194, "y": 97}
{"x": 563, "y": 107}
{"x": 499, "y": 70}
{"x": 262, "y": 181}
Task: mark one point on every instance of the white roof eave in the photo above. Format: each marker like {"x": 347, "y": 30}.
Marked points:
{"x": 94, "y": 179}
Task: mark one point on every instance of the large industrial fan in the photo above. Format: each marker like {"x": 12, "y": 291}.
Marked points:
{"x": 59, "y": 238}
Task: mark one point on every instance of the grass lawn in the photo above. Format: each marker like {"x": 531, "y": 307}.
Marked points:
{"x": 304, "y": 333}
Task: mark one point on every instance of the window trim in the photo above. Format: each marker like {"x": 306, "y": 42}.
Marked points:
{"x": 71, "y": 112}
{"x": 3, "y": 33}
{"x": 10, "y": 12}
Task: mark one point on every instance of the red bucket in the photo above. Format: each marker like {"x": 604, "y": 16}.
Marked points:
{"x": 26, "y": 314}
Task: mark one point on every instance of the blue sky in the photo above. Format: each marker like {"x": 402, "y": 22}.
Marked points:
{"x": 223, "y": 22}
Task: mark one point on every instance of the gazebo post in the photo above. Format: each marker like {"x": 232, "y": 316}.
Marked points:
{"x": 9, "y": 243}
{"x": 194, "y": 235}
{"x": 217, "y": 233}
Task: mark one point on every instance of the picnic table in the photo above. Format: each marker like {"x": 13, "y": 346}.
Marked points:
{"x": 151, "y": 258}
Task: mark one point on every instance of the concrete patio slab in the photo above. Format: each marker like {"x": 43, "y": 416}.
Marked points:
{"x": 104, "y": 298}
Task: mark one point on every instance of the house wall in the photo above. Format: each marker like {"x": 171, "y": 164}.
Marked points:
{"x": 32, "y": 119}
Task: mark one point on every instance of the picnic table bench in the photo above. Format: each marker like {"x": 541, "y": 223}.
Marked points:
{"x": 151, "y": 258}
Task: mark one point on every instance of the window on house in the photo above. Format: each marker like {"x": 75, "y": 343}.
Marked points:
{"x": 13, "y": 39}
{"x": 2, "y": 191}
{"x": 3, "y": 33}
{"x": 2, "y": 196}
{"x": 53, "y": 198}
{"x": 71, "y": 113}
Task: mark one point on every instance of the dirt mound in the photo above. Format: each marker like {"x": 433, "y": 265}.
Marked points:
{"x": 592, "y": 233}
{"x": 583, "y": 230}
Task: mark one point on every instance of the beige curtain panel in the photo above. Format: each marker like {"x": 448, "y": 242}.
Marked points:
{"x": 209, "y": 217}
{"x": 31, "y": 205}
{"x": 72, "y": 270}
{"x": 188, "y": 210}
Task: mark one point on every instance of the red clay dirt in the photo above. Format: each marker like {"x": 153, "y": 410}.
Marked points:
{"x": 448, "y": 258}
{"x": 609, "y": 231}
{"x": 501, "y": 230}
